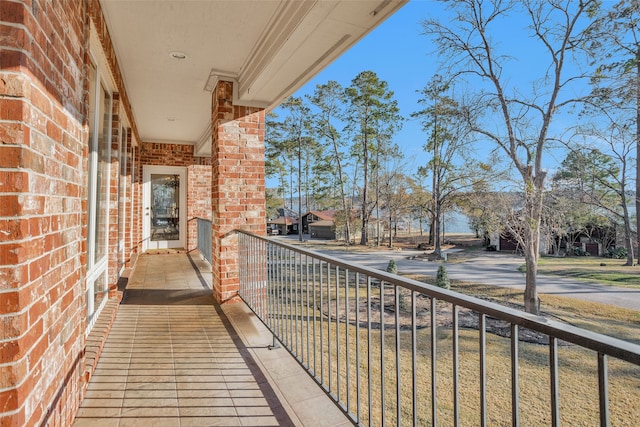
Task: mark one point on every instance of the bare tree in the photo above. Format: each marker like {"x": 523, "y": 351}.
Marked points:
{"x": 517, "y": 120}
{"x": 615, "y": 42}
{"x": 602, "y": 178}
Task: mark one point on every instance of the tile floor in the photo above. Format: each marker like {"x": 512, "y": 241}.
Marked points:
{"x": 174, "y": 358}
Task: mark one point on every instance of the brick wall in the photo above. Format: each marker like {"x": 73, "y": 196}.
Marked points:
{"x": 42, "y": 210}
{"x": 238, "y": 185}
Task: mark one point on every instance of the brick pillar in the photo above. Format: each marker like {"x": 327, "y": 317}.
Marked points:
{"x": 238, "y": 187}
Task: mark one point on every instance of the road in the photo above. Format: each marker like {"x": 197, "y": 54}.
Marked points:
{"x": 497, "y": 269}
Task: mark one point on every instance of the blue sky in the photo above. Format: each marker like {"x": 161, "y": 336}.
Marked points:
{"x": 400, "y": 54}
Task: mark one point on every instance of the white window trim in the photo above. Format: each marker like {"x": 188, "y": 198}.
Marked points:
{"x": 97, "y": 267}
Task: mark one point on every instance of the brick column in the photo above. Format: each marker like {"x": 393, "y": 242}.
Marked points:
{"x": 238, "y": 187}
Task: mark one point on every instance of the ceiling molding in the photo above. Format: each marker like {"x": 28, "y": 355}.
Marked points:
{"x": 216, "y": 75}
{"x": 282, "y": 24}
{"x": 313, "y": 66}
{"x": 203, "y": 144}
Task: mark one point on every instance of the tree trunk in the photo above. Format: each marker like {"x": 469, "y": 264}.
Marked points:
{"x": 300, "y": 189}
{"x": 364, "y": 237}
{"x": 531, "y": 303}
{"x": 437, "y": 247}
{"x": 637, "y": 153}
{"x": 628, "y": 234}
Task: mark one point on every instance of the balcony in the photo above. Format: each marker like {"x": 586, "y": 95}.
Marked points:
{"x": 174, "y": 357}
{"x": 393, "y": 351}
{"x": 377, "y": 350}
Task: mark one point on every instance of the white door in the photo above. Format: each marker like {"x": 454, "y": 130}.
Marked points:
{"x": 164, "y": 208}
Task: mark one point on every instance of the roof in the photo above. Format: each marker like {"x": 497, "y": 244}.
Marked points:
{"x": 328, "y": 214}
{"x": 286, "y": 220}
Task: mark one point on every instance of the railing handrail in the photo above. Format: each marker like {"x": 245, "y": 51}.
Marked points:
{"x": 600, "y": 343}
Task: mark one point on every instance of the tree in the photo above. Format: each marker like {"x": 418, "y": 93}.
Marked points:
{"x": 616, "y": 43}
{"x": 601, "y": 178}
{"x": 451, "y": 169}
{"x": 276, "y": 154}
{"x": 296, "y": 136}
{"x": 420, "y": 203}
{"x": 329, "y": 100}
{"x": 516, "y": 120}
{"x": 372, "y": 117}
{"x": 395, "y": 198}
{"x": 442, "y": 278}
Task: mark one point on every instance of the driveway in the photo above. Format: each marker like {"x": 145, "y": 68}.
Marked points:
{"x": 497, "y": 269}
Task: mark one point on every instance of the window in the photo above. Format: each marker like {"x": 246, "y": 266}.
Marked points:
{"x": 99, "y": 144}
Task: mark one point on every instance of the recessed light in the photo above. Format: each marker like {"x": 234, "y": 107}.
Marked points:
{"x": 178, "y": 55}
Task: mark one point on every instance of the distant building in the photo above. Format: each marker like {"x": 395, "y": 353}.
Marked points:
{"x": 319, "y": 224}
{"x": 283, "y": 224}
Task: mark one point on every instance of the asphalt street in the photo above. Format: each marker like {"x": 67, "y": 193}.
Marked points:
{"x": 497, "y": 269}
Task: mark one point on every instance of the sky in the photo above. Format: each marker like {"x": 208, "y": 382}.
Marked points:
{"x": 399, "y": 53}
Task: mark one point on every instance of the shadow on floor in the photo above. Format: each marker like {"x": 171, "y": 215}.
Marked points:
{"x": 174, "y": 358}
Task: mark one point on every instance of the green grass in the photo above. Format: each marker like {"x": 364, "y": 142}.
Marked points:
{"x": 589, "y": 269}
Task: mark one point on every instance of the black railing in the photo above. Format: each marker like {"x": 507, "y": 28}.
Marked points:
{"x": 395, "y": 351}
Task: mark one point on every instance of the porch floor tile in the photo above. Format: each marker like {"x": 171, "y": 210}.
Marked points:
{"x": 176, "y": 358}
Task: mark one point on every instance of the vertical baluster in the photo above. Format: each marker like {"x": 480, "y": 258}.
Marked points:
{"x": 296, "y": 288}
{"x": 382, "y": 385}
{"x": 321, "y": 325}
{"x": 329, "y": 327}
{"x": 306, "y": 281}
{"x": 483, "y": 369}
{"x": 515, "y": 392}
{"x": 603, "y": 389}
{"x": 434, "y": 379}
{"x": 338, "y": 365}
{"x": 398, "y": 382}
{"x": 555, "y": 389}
{"x": 456, "y": 368}
{"x": 315, "y": 315}
{"x": 346, "y": 325}
{"x": 414, "y": 360}
{"x": 357, "y": 329}
{"x": 289, "y": 299}
{"x": 369, "y": 361}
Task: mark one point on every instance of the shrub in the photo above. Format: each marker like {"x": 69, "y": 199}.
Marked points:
{"x": 616, "y": 253}
{"x": 580, "y": 252}
{"x": 442, "y": 280}
{"x": 392, "y": 267}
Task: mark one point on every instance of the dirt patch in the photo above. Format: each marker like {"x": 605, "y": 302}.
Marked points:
{"x": 467, "y": 319}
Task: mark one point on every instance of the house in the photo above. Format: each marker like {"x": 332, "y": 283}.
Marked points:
{"x": 283, "y": 224}
{"x": 319, "y": 224}
{"x": 121, "y": 124}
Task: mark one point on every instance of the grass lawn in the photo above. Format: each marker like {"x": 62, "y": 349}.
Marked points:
{"x": 577, "y": 377}
{"x": 590, "y": 269}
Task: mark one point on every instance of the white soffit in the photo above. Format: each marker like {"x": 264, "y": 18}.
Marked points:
{"x": 270, "y": 48}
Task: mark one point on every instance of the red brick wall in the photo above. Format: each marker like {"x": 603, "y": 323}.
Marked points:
{"x": 42, "y": 210}
{"x": 198, "y": 198}
{"x": 238, "y": 186}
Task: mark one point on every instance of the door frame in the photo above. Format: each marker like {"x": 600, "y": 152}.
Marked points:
{"x": 147, "y": 243}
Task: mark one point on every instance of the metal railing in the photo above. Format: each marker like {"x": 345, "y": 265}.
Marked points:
{"x": 395, "y": 351}
{"x": 204, "y": 239}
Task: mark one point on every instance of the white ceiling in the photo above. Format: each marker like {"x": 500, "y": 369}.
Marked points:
{"x": 270, "y": 48}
